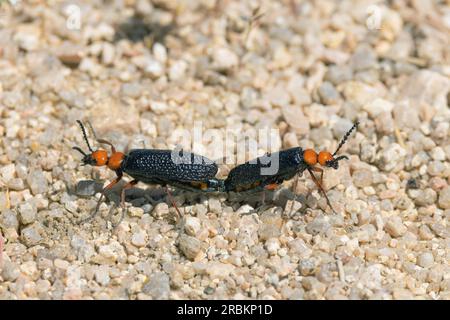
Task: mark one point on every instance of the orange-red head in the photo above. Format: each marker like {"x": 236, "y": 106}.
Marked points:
{"x": 100, "y": 157}
{"x": 325, "y": 158}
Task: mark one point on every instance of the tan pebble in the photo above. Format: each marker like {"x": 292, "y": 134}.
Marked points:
{"x": 425, "y": 233}
{"x": 370, "y": 191}
{"x": 135, "y": 212}
{"x": 363, "y": 217}
{"x": 395, "y": 227}
{"x": 444, "y": 198}
{"x": 61, "y": 264}
{"x": 190, "y": 246}
{"x": 388, "y": 194}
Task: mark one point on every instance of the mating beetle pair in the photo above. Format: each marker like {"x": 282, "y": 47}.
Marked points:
{"x": 198, "y": 173}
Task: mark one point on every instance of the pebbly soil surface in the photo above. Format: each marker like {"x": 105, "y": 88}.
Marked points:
{"x": 145, "y": 72}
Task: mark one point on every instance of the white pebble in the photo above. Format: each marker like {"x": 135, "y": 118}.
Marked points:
{"x": 437, "y": 153}
{"x": 154, "y": 68}
{"x": 378, "y": 106}
{"x": 245, "y": 209}
{"x": 224, "y": 58}
{"x": 160, "y": 52}
{"x": 108, "y": 53}
{"x": 192, "y": 226}
{"x": 161, "y": 210}
{"x": 272, "y": 245}
{"x": 178, "y": 70}
{"x": 158, "y": 106}
{"x": 8, "y": 171}
{"x": 139, "y": 239}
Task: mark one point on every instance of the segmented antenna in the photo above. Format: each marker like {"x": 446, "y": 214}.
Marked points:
{"x": 344, "y": 139}
{"x": 85, "y": 135}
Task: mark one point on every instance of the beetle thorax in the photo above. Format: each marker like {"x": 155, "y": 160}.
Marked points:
{"x": 115, "y": 160}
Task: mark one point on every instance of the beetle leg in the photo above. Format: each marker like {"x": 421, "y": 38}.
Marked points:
{"x": 109, "y": 186}
{"x": 169, "y": 195}
{"x": 318, "y": 184}
{"x": 113, "y": 150}
{"x": 315, "y": 169}
{"x": 294, "y": 188}
{"x": 129, "y": 185}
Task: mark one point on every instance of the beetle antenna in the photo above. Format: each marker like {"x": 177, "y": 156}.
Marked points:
{"x": 344, "y": 139}
{"x": 80, "y": 151}
{"x": 85, "y": 135}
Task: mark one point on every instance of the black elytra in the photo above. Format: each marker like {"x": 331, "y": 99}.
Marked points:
{"x": 249, "y": 175}
{"x": 154, "y": 166}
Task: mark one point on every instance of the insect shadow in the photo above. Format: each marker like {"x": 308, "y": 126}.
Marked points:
{"x": 142, "y": 196}
{"x": 142, "y": 29}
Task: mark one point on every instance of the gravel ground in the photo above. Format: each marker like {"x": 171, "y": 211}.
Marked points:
{"x": 142, "y": 71}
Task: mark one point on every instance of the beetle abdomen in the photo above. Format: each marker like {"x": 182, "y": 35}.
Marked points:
{"x": 168, "y": 165}
{"x": 265, "y": 170}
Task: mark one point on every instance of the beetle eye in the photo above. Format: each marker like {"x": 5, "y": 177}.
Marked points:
{"x": 89, "y": 160}
{"x": 334, "y": 163}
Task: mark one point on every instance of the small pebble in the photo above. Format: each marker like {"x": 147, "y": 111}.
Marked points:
{"x": 338, "y": 74}
{"x": 318, "y": 225}
{"x": 158, "y": 287}
{"x": 160, "y": 211}
{"x": 31, "y": 234}
{"x": 224, "y": 59}
{"x": 328, "y": 93}
{"x": 192, "y": 226}
{"x": 37, "y": 182}
{"x": 135, "y": 212}
{"x": 425, "y": 197}
{"x": 190, "y": 246}
{"x": 215, "y": 206}
{"x": 272, "y": 245}
{"x": 10, "y": 271}
{"x": 9, "y": 219}
{"x": 425, "y": 260}
{"x": 139, "y": 239}
{"x": 425, "y": 233}
{"x": 378, "y": 106}
{"x": 435, "y": 168}
{"x": 27, "y": 213}
{"x": 395, "y": 227}
{"x": 438, "y": 154}
{"x": 362, "y": 178}
{"x": 102, "y": 275}
{"x": 8, "y": 172}
{"x": 444, "y": 198}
